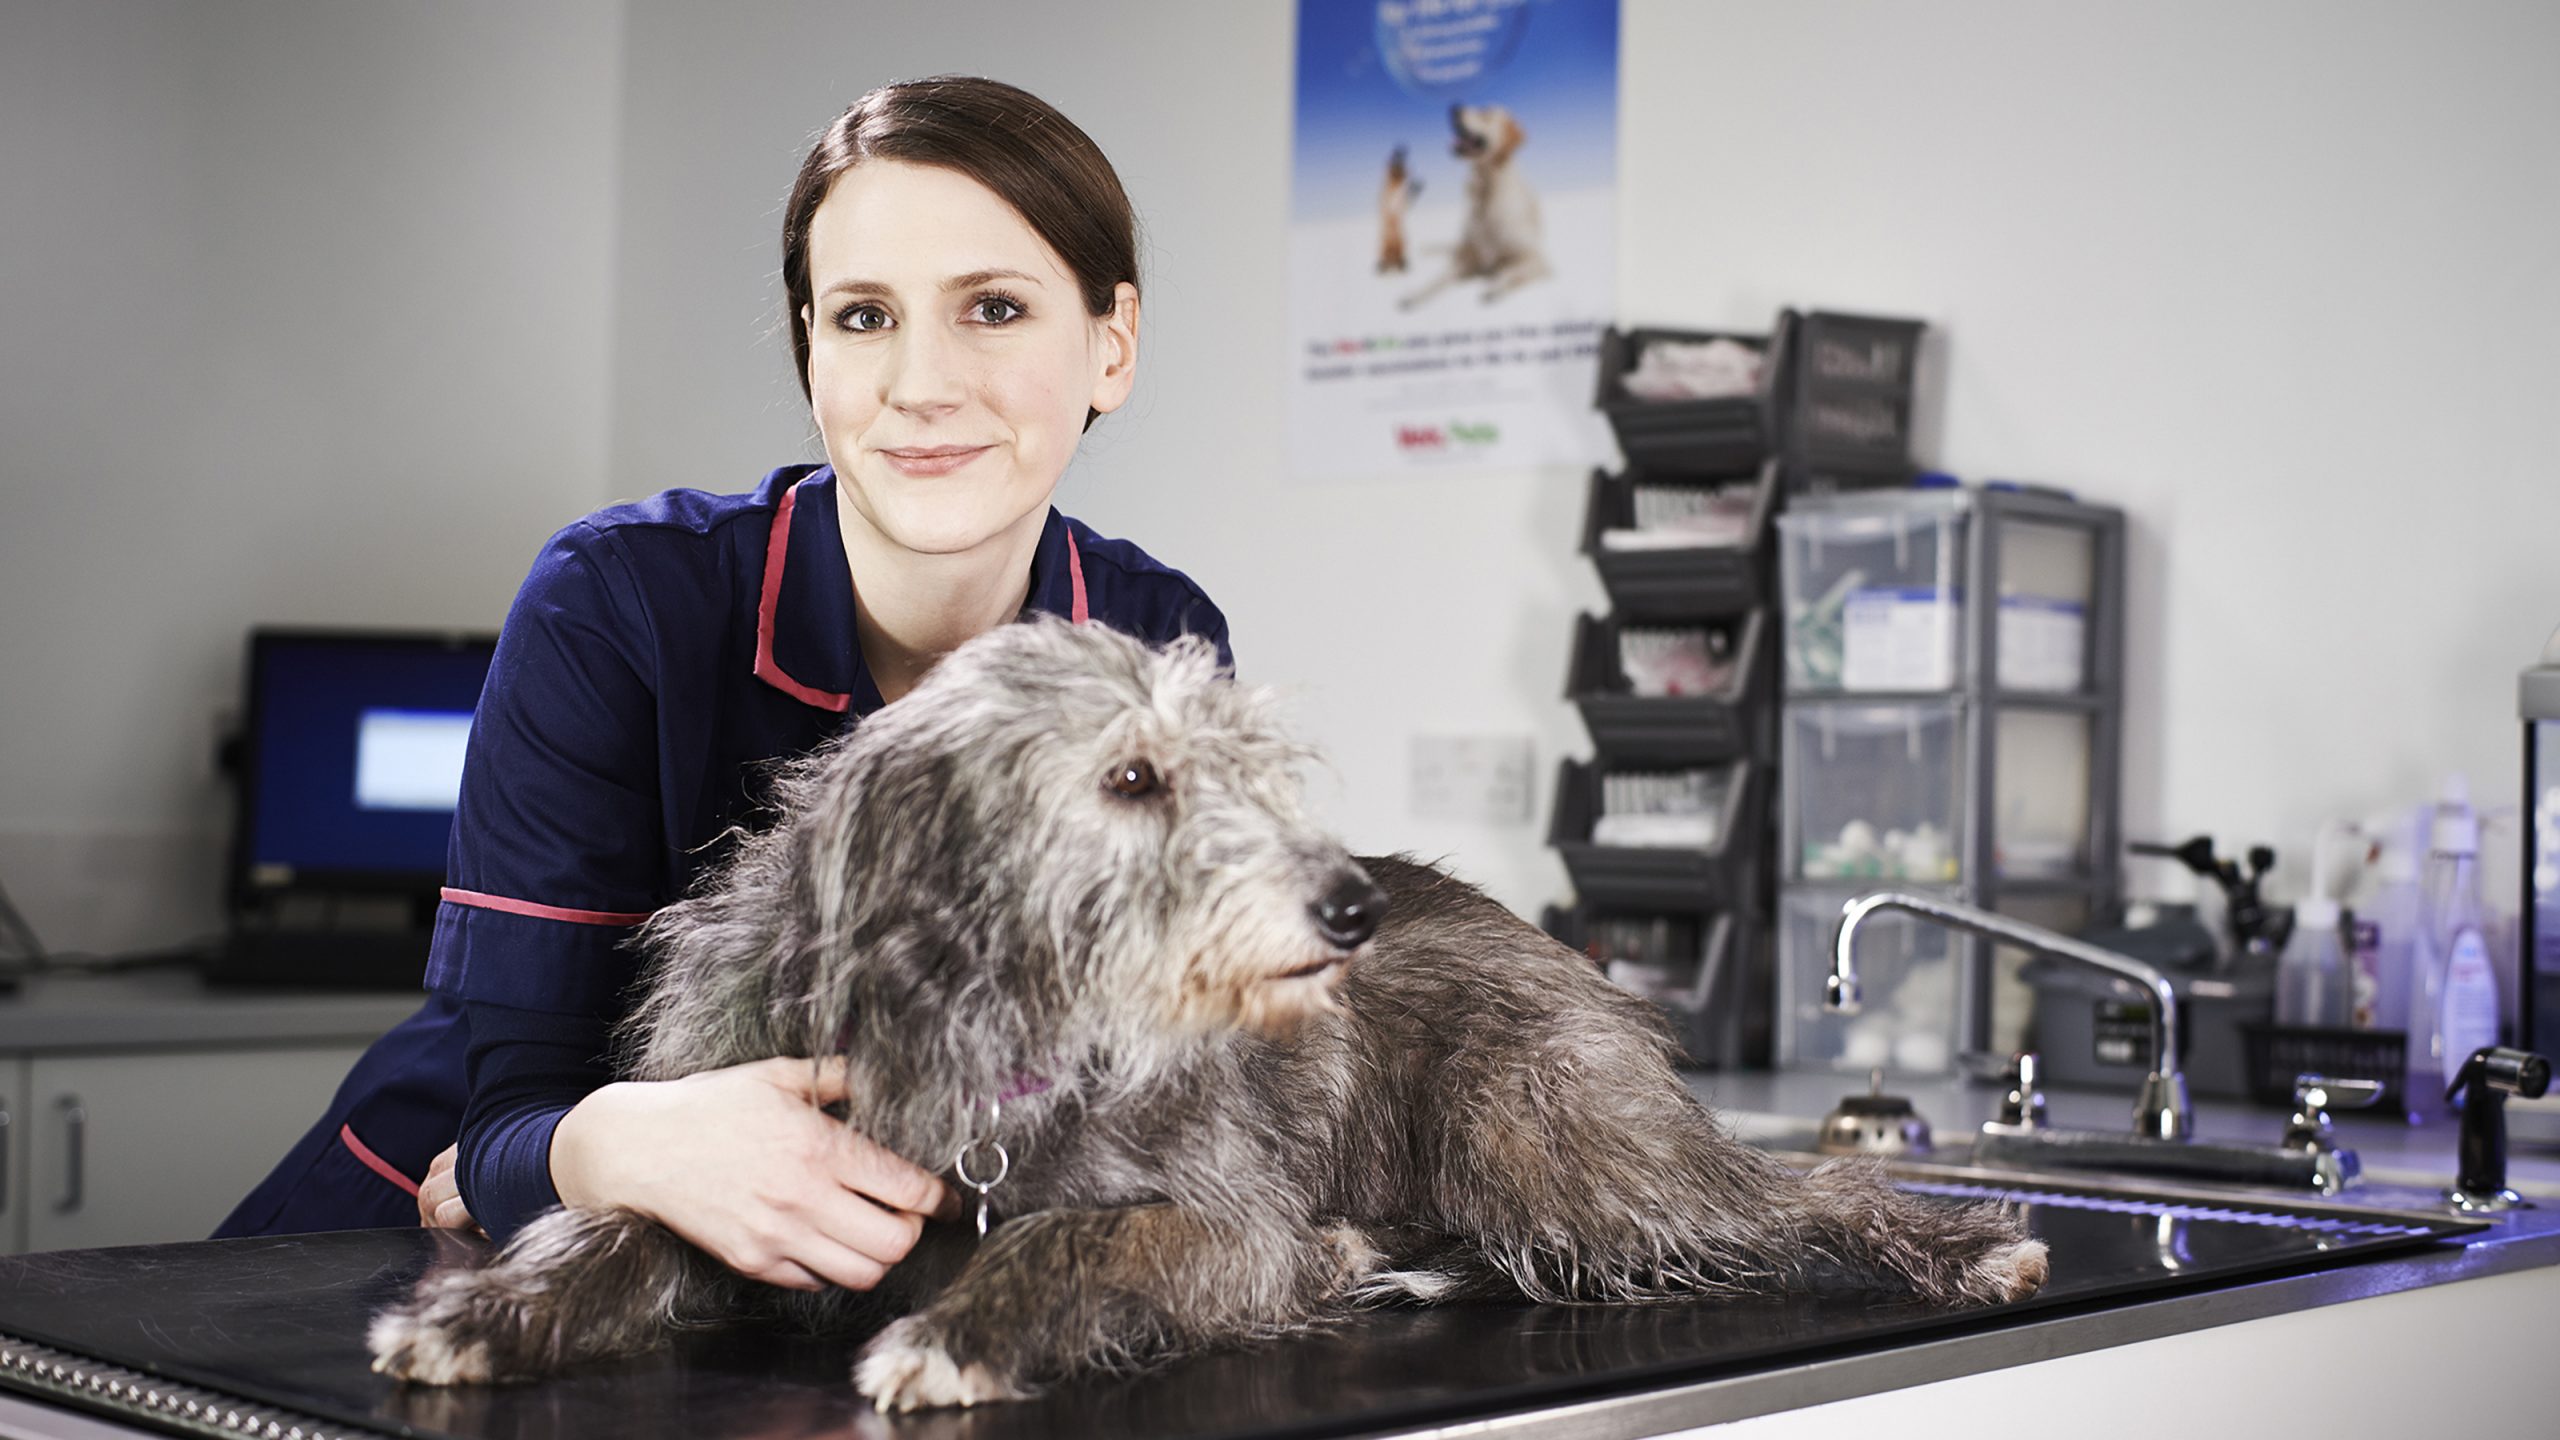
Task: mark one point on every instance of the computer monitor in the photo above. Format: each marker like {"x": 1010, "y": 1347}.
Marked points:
{"x": 351, "y": 760}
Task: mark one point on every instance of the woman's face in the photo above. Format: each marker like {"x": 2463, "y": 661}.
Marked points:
{"x": 951, "y": 358}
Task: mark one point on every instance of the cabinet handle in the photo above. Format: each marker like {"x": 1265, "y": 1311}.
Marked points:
{"x": 4, "y": 1157}
{"x": 75, "y": 1137}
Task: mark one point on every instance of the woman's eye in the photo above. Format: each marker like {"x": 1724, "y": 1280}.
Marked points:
{"x": 995, "y": 310}
{"x": 1133, "y": 779}
{"x": 862, "y": 318}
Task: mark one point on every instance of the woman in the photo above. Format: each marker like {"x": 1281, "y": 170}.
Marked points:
{"x": 961, "y": 268}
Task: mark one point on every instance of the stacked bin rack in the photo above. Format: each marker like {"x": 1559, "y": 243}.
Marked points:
{"x": 1934, "y": 744}
{"x": 1850, "y": 400}
{"x": 1686, "y": 924}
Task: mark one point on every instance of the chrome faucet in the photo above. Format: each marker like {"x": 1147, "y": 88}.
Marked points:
{"x": 2160, "y": 1112}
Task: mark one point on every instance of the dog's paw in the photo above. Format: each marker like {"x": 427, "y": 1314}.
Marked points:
{"x": 2012, "y": 1272}
{"x": 906, "y": 1368}
{"x": 409, "y": 1347}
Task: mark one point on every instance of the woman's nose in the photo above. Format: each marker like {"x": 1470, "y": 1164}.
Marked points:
{"x": 923, "y": 376}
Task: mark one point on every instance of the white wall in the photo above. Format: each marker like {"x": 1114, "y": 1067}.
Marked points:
{"x": 306, "y": 324}
{"x": 2274, "y": 278}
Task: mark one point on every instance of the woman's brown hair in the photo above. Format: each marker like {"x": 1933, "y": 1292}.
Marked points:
{"x": 1007, "y": 139}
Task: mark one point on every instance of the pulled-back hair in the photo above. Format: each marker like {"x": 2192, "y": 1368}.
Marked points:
{"x": 1007, "y": 139}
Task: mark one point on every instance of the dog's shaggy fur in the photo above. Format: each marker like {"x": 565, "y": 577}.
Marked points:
{"x": 1069, "y": 857}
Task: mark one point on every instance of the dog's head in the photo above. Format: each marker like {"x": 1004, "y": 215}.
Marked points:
{"x": 1104, "y": 838}
{"x": 1486, "y": 135}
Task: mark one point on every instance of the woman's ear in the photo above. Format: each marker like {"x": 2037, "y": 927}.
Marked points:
{"x": 1115, "y": 341}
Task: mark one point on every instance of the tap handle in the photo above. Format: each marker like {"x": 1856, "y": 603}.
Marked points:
{"x": 2024, "y": 1103}
{"x": 2319, "y": 1092}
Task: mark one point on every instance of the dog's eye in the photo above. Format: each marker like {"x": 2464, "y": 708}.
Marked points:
{"x": 1132, "y": 780}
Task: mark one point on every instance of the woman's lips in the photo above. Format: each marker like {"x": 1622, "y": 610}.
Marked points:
{"x": 933, "y": 459}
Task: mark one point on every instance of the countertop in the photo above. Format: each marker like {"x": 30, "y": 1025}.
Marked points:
{"x": 173, "y": 1007}
{"x": 281, "y": 1319}
{"x": 280, "y": 1322}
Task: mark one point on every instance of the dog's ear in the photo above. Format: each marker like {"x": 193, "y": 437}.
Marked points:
{"x": 1512, "y": 135}
{"x": 875, "y": 828}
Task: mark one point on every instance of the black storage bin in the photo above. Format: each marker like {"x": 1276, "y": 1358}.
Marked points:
{"x": 1849, "y": 399}
{"x": 1657, "y": 878}
{"x": 2278, "y": 1054}
{"x": 1669, "y": 730}
{"x": 1725, "y": 436}
{"x": 1700, "y": 1006}
{"x": 1687, "y": 582}
{"x": 2093, "y": 1029}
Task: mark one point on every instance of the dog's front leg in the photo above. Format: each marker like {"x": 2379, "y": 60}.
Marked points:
{"x": 573, "y": 1285}
{"x": 1069, "y": 1291}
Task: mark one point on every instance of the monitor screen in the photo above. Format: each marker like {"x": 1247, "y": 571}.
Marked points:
{"x": 352, "y": 760}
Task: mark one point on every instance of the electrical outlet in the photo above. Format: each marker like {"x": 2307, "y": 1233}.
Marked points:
{"x": 1478, "y": 779}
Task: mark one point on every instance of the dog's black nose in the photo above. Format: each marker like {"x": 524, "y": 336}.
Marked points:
{"x": 1349, "y": 913}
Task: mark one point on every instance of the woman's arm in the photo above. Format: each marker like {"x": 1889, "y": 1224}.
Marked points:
{"x": 557, "y": 848}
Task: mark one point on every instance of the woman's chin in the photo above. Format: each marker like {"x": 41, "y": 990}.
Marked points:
{"x": 940, "y": 530}
{"x": 947, "y": 517}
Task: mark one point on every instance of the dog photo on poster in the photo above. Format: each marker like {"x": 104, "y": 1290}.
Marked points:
{"x": 1452, "y": 232}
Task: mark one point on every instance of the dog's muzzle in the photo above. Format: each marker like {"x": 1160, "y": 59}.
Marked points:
{"x": 1465, "y": 143}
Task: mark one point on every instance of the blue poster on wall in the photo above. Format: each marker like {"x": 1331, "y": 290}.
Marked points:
{"x": 1452, "y": 233}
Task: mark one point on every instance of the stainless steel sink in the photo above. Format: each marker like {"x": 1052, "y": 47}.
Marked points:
{"x": 2392, "y": 1199}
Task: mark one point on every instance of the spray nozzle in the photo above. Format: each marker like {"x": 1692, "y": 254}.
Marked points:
{"x": 2457, "y": 825}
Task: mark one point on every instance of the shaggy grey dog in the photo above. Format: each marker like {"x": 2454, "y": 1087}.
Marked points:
{"x": 1071, "y": 865}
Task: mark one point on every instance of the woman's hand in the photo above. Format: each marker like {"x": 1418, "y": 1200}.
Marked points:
{"x": 742, "y": 1163}
{"x": 440, "y": 1204}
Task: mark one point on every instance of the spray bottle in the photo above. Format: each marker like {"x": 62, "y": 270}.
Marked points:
{"x": 2454, "y": 1005}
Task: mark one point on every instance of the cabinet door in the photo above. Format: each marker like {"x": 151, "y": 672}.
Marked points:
{"x": 145, "y": 1147}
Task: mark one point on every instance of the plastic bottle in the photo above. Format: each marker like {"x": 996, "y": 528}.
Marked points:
{"x": 2313, "y": 984}
{"x": 2454, "y": 1005}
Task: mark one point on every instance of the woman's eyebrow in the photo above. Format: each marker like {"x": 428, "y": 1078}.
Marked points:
{"x": 970, "y": 281}
{"x": 976, "y": 278}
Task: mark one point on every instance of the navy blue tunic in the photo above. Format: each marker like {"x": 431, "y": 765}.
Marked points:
{"x": 660, "y": 657}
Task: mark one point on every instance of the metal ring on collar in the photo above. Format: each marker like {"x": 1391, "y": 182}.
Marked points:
{"x": 1004, "y": 1164}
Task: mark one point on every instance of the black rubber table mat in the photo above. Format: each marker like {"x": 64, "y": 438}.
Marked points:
{"x": 281, "y": 1322}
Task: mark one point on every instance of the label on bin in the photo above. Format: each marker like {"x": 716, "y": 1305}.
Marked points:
{"x": 2043, "y": 642}
{"x": 2120, "y": 1034}
{"x": 1899, "y": 639}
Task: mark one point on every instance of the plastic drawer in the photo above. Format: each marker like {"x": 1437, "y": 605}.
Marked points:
{"x": 1875, "y": 792}
{"x": 1687, "y": 964}
{"x": 2013, "y": 997}
{"x": 2040, "y": 795}
{"x": 1686, "y": 582}
{"x": 1668, "y": 730}
{"x": 2048, "y": 574}
{"x": 1875, "y": 592}
{"x": 1906, "y": 967}
{"x": 1724, "y": 436}
{"x": 1646, "y": 877}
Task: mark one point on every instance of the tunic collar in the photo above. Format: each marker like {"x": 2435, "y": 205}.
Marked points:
{"x": 807, "y": 645}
